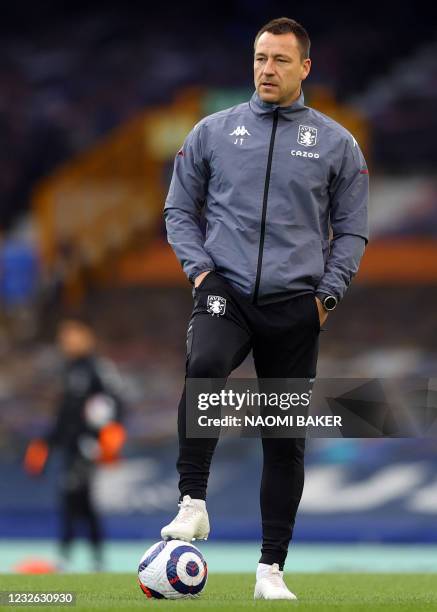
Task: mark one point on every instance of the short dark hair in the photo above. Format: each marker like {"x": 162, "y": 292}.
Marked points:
{"x": 284, "y": 25}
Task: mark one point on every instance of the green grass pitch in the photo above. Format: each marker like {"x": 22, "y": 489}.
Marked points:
{"x": 233, "y": 592}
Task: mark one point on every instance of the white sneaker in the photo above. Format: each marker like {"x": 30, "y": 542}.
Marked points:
{"x": 272, "y": 586}
{"x": 191, "y": 522}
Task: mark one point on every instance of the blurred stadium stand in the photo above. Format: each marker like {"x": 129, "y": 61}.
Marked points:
{"x": 94, "y": 104}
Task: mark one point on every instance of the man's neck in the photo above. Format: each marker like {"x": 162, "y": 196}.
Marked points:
{"x": 292, "y": 99}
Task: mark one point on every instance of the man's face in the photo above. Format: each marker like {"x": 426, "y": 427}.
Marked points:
{"x": 74, "y": 339}
{"x": 279, "y": 68}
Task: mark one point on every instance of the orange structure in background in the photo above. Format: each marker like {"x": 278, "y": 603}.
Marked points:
{"x": 96, "y": 206}
{"x": 406, "y": 261}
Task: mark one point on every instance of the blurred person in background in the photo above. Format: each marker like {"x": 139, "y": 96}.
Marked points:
{"x": 88, "y": 430}
{"x": 274, "y": 178}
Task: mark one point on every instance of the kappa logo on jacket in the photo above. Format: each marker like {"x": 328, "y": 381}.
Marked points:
{"x": 307, "y": 136}
{"x": 240, "y": 131}
{"x": 216, "y": 305}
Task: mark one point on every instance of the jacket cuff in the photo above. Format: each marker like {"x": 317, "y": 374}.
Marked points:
{"x": 322, "y": 294}
{"x": 198, "y": 271}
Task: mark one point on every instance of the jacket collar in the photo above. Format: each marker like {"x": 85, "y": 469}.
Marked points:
{"x": 259, "y": 107}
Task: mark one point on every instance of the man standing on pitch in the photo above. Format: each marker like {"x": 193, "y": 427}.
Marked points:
{"x": 272, "y": 177}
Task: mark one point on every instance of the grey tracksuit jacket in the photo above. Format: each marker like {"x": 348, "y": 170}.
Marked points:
{"x": 270, "y": 181}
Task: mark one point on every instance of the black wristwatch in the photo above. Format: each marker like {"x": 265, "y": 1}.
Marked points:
{"x": 329, "y": 302}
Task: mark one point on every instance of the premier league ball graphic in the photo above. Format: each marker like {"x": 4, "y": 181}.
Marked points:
{"x": 172, "y": 570}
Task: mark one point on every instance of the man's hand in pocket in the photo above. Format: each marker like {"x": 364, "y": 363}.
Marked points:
{"x": 200, "y": 278}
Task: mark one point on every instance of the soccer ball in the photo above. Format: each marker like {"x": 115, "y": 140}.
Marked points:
{"x": 172, "y": 570}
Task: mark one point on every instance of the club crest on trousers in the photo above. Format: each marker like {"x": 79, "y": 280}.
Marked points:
{"x": 216, "y": 305}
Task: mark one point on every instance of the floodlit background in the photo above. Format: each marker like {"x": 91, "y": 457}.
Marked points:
{"x": 95, "y": 100}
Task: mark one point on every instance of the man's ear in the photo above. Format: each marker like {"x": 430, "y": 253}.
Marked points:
{"x": 306, "y": 67}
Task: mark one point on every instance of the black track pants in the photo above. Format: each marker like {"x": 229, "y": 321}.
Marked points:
{"x": 77, "y": 507}
{"x": 284, "y": 339}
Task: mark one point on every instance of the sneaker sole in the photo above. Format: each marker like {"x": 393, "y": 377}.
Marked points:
{"x": 183, "y": 538}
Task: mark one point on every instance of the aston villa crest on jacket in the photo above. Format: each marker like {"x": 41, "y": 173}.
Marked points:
{"x": 216, "y": 305}
{"x": 307, "y": 136}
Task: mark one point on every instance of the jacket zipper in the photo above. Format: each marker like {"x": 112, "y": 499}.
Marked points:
{"x": 264, "y": 209}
